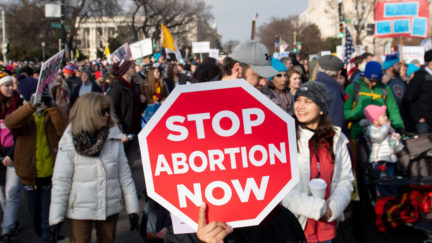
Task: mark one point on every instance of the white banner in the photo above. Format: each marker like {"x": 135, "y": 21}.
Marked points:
{"x": 279, "y": 55}
{"x": 48, "y": 74}
{"x": 141, "y": 48}
{"x": 201, "y": 47}
{"x": 411, "y": 53}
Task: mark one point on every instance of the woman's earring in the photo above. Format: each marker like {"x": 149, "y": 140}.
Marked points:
{"x": 321, "y": 113}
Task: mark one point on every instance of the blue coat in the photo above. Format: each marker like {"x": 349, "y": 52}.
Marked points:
{"x": 336, "y": 111}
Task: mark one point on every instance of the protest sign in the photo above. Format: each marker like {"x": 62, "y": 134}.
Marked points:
{"x": 402, "y": 19}
{"x": 410, "y": 53}
{"x": 122, "y": 54}
{"x": 223, "y": 143}
{"x": 214, "y": 53}
{"x": 201, "y": 47}
{"x": 141, "y": 48}
{"x": 279, "y": 55}
{"x": 48, "y": 74}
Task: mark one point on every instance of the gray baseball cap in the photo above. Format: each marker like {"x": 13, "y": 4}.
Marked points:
{"x": 256, "y": 56}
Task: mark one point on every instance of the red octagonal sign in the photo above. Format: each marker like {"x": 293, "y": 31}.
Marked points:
{"x": 223, "y": 143}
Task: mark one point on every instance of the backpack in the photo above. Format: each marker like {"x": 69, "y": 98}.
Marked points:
{"x": 357, "y": 93}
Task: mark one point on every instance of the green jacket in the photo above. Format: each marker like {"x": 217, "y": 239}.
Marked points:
{"x": 366, "y": 97}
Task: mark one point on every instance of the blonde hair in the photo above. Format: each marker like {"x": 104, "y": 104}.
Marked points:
{"x": 85, "y": 113}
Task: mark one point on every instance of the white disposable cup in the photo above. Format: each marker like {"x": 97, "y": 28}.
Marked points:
{"x": 318, "y": 187}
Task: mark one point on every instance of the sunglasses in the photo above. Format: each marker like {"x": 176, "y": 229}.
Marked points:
{"x": 105, "y": 110}
{"x": 280, "y": 75}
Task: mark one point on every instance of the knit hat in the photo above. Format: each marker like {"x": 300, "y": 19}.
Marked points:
{"x": 390, "y": 60}
{"x": 372, "y": 112}
{"x": 412, "y": 68}
{"x": 373, "y": 70}
{"x": 69, "y": 69}
{"x": 317, "y": 92}
{"x": 5, "y": 79}
{"x": 27, "y": 87}
{"x": 428, "y": 56}
{"x": 121, "y": 67}
{"x": 330, "y": 63}
{"x": 278, "y": 65}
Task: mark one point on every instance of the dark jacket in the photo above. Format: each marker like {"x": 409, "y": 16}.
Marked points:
{"x": 126, "y": 106}
{"x": 170, "y": 84}
{"x": 22, "y": 125}
{"x": 336, "y": 109}
{"x": 419, "y": 96}
{"x": 75, "y": 92}
{"x": 73, "y": 81}
{"x": 280, "y": 226}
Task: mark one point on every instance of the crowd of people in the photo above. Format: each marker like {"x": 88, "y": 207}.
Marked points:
{"x": 71, "y": 152}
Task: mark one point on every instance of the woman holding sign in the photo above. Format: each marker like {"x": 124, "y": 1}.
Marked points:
{"x": 325, "y": 185}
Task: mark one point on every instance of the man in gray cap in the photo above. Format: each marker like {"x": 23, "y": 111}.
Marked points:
{"x": 250, "y": 60}
{"x": 330, "y": 67}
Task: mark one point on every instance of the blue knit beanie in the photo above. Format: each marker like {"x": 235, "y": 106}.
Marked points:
{"x": 373, "y": 70}
{"x": 412, "y": 68}
{"x": 390, "y": 60}
{"x": 278, "y": 65}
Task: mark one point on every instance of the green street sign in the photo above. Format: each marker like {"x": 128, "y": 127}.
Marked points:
{"x": 298, "y": 43}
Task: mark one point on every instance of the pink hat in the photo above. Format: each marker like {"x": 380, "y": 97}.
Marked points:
{"x": 372, "y": 112}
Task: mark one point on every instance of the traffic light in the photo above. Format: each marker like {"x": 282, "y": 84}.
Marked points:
{"x": 341, "y": 30}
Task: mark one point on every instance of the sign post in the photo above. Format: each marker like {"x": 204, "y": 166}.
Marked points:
{"x": 223, "y": 143}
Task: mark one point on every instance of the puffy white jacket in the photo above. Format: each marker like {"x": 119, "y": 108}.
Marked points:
{"x": 91, "y": 188}
{"x": 301, "y": 202}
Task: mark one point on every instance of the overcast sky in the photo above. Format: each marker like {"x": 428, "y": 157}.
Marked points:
{"x": 233, "y": 17}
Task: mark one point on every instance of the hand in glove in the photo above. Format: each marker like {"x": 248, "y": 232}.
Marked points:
{"x": 47, "y": 97}
{"x": 55, "y": 231}
{"x": 134, "y": 221}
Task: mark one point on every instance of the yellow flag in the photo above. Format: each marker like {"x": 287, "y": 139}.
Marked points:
{"x": 107, "y": 50}
{"x": 167, "y": 39}
{"x": 77, "y": 54}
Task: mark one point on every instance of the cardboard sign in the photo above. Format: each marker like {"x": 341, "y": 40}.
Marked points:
{"x": 48, "y": 74}
{"x": 223, "y": 143}
{"x": 411, "y": 53}
{"x": 141, "y": 48}
{"x": 402, "y": 19}
{"x": 201, "y": 47}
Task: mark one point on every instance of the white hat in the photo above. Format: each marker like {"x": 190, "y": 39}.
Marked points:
{"x": 5, "y": 79}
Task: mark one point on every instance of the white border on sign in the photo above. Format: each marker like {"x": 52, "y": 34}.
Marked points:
{"x": 215, "y": 85}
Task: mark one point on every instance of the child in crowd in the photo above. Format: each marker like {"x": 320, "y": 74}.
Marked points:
{"x": 384, "y": 144}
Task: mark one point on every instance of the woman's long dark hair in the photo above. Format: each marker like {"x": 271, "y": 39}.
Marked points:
{"x": 324, "y": 133}
{"x": 5, "y": 103}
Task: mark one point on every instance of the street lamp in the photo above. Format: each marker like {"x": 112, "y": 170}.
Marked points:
{"x": 43, "y": 51}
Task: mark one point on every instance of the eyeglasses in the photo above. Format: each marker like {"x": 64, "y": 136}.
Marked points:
{"x": 280, "y": 75}
{"x": 105, "y": 110}
{"x": 374, "y": 80}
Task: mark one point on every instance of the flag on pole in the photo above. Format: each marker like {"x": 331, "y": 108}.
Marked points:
{"x": 350, "y": 53}
{"x": 169, "y": 43}
{"x": 349, "y": 46}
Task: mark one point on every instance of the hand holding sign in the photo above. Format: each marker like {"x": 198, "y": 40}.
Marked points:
{"x": 215, "y": 231}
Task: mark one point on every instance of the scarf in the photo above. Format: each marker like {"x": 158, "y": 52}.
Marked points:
{"x": 90, "y": 145}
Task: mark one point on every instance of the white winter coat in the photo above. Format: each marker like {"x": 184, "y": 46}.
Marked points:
{"x": 91, "y": 188}
{"x": 385, "y": 143}
{"x": 301, "y": 202}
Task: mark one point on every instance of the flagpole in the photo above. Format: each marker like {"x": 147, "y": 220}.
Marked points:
{"x": 253, "y": 29}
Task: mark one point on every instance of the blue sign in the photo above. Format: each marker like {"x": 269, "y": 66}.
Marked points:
{"x": 401, "y": 9}
{"x": 419, "y": 26}
{"x": 401, "y": 26}
{"x": 383, "y": 27}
